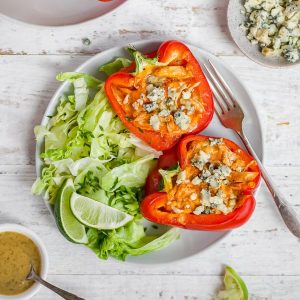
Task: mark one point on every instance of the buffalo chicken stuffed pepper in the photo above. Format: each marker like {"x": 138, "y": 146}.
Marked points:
{"x": 162, "y": 96}
{"x": 204, "y": 184}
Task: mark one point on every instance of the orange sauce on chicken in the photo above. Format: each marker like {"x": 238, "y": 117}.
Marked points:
{"x": 213, "y": 180}
{"x": 162, "y": 98}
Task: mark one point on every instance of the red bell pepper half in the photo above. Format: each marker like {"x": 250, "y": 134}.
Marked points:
{"x": 154, "y": 206}
{"x": 162, "y": 96}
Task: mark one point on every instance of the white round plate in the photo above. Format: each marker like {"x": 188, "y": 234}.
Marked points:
{"x": 234, "y": 19}
{"x": 190, "y": 242}
{"x": 56, "y": 12}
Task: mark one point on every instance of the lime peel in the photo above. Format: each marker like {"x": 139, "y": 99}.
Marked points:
{"x": 97, "y": 215}
{"x": 68, "y": 225}
{"x": 235, "y": 287}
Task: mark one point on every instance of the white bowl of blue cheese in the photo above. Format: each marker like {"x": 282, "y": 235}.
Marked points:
{"x": 267, "y": 31}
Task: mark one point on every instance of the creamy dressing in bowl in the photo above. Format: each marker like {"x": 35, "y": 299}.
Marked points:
{"x": 17, "y": 253}
{"x": 19, "y": 248}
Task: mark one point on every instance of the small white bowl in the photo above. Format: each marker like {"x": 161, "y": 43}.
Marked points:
{"x": 234, "y": 19}
{"x": 28, "y": 294}
{"x": 54, "y": 13}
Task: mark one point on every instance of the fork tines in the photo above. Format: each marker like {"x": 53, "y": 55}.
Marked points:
{"x": 222, "y": 92}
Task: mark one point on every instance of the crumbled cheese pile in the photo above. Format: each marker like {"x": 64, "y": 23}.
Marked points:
{"x": 172, "y": 102}
{"x": 211, "y": 177}
{"x": 275, "y": 26}
{"x": 214, "y": 176}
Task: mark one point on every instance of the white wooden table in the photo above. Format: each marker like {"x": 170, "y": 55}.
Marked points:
{"x": 262, "y": 251}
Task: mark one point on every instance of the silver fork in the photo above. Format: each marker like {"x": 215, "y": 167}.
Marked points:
{"x": 231, "y": 116}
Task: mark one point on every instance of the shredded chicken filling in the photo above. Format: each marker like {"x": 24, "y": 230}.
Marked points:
{"x": 213, "y": 181}
{"x": 162, "y": 98}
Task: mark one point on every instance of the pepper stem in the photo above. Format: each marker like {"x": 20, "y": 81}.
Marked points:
{"x": 140, "y": 60}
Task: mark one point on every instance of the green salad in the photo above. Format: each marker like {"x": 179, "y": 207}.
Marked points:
{"x": 94, "y": 171}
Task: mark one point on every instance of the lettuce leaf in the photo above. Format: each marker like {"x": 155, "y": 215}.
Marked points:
{"x": 131, "y": 175}
{"x": 142, "y": 148}
{"x": 114, "y": 66}
{"x": 91, "y": 81}
{"x": 81, "y": 93}
{"x": 128, "y": 240}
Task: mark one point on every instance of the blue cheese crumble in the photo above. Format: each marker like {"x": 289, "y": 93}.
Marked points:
{"x": 181, "y": 120}
{"x": 200, "y": 160}
{"x": 210, "y": 202}
{"x": 275, "y": 26}
{"x": 149, "y": 107}
{"x": 157, "y": 93}
{"x": 154, "y": 122}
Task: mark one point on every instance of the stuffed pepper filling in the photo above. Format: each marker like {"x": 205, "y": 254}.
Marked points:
{"x": 162, "y": 98}
{"x": 212, "y": 181}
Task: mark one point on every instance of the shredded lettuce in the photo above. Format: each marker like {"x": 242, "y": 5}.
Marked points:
{"x": 114, "y": 66}
{"x": 91, "y": 81}
{"x": 86, "y": 142}
{"x": 81, "y": 93}
{"x": 130, "y": 175}
{"x": 142, "y": 148}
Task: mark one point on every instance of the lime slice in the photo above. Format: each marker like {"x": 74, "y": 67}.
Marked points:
{"x": 96, "y": 214}
{"x": 235, "y": 287}
{"x": 68, "y": 225}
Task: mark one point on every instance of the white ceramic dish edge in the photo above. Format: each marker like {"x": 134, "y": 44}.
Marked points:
{"x": 20, "y": 22}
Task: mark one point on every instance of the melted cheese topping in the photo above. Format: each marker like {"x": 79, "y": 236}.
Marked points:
{"x": 162, "y": 98}
{"x": 213, "y": 180}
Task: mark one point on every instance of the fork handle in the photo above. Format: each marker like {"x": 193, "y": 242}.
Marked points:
{"x": 287, "y": 213}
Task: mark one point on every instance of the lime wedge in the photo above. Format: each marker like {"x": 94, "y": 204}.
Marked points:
{"x": 68, "y": 225}
{"x": 235, "y": 287}
{"x": 96, "y": 214}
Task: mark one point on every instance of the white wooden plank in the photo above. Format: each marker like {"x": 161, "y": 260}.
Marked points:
{"x": 196, "y": 287}
{"x": 199, "y": 22}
